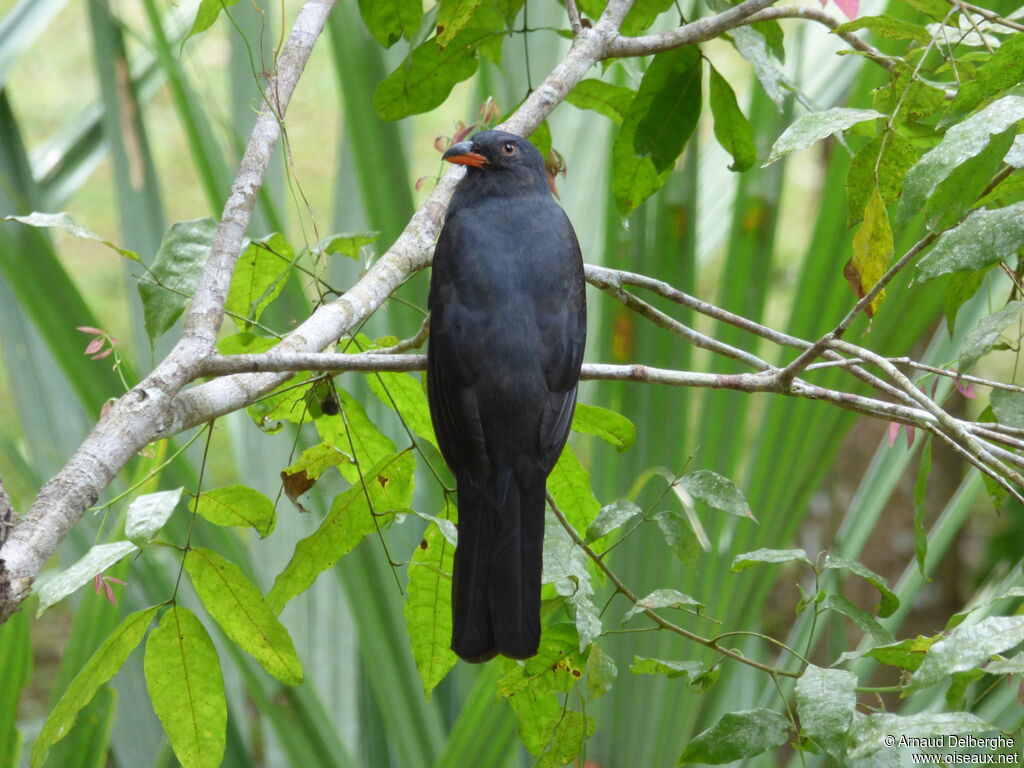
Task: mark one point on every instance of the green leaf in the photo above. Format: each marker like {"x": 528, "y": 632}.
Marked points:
{"x": 863, "y": 620}
{"x": 888, "y": 602}
{"x": 549, "y": 730}
{"x": 556, "y": 668}
{"x": 206, "y": 15}
{"x": 565, "y": 567}
{"x": 886, "y": 26}
{"x": 646, "y": 666}
{"x": 986, "y": 334}
{"x": 447, "y": 527}
{"x": 815, "y": 126}
{"x": 1008, "y": 407}
{"x": 317, "y": 459}
{"x": 612, "y": 101}
{"x": 612, "y": 516}
{"x": 907, "y": 654}
{"x": 680, "y": 536}
{"x": 908, "y": 98}
{"x": 428, "y": 608}
{"x": 1003, "y": 70}
{"x": 874, "y": 732}
{"x": 635, "y": 178}
{"x": 872, "y": 250}
{"x": 642, "y": 15}
{"x": 285, "y": 403}
{"x": 541, "y": 139}
{"x": 936, "y": 9}
{"x": 956, "y": 693}
{"x": 239, "y": 608}
{"x": 148, "y": 513}
{"x": 716, "y": 491}
{"x": 66, "y": 224}
{"x": 184, "y": 682}
{"x": 424, "y": 80}
{"x": 102, "y": 666}
{"x": 898, "y": 154}
{"x": 260, "y": 276}
{"x": 245, "y": 343}
{"x": 614, "y": 428}
{"x": 403, "y": 393}
{"x": 737, "y": 735}
{"x": 176, "y": 270}
{"x": 921, "y": 507}
{"x": 237, "y": 505}
{"x": 1010, "y": 191}
{"x": 662, "y": 598}
{"x": 348, "y": 244}
{"x": 601, "y": 672}
{"x": 732, "y": 129}
{"x": 961, "y": 142}
{"x": 825, "y": 703}
{"x": 968, "y": 181}
{"x": 769, "y": 556}
{"x": 452, "y": 18}
{"x": 968, "y": 647}
{"x": 1012, "y": 666}
{"x": 984, "y": 238}
{"x": 961, "y": 287}
{"x": 389, "y": 20}
{"x": 569, "y": 483}
{"x": 672, "y": 82}
{"x": 754, "y": 47}
{"x": 353, "y": 514}
{"x": 96, "y": 560}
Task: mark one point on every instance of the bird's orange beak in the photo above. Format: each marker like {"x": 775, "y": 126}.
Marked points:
{"x": 463, "y": 154}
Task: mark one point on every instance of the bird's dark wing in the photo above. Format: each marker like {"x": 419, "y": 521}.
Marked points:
{"x": 563, "y": 331}
{"x": 453, "y": 369}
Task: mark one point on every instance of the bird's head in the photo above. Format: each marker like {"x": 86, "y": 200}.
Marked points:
{"x": 501, "y": 157}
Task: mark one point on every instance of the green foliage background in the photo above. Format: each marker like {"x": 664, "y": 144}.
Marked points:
{"x": 106, "y": 114}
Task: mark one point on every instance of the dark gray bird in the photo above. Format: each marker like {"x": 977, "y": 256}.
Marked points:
{"x": 507, "y": 330}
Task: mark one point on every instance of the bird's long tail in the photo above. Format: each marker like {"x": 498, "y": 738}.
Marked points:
{"x": 497, "y": 571}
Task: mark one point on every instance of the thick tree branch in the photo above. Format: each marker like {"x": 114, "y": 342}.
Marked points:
{"x": 140, "y": 416}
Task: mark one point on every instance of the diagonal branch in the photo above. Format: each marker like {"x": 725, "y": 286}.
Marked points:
{"x": 138, "y": 417}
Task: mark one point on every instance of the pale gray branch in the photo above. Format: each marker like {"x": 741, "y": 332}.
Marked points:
{"x": 811, "y": 13}
{"x": 697, "y": 31}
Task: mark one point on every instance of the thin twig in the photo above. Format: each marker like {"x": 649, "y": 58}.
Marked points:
{"x": 652, "y": 615}
{"x": 684, "y": 332}
{"x": 988, "y": 15}
{"x": 574, "y": 17}
{"x": 413, "y": 342}
{"x": 830, "y": 21}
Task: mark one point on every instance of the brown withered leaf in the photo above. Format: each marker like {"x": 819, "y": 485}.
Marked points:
{"x": 295, "y": 485}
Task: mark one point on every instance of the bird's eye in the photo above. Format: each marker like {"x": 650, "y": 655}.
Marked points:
{"x": 508, "y": 148}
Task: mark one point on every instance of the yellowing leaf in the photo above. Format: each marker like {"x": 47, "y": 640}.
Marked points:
{"x": 872, "y": 250}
